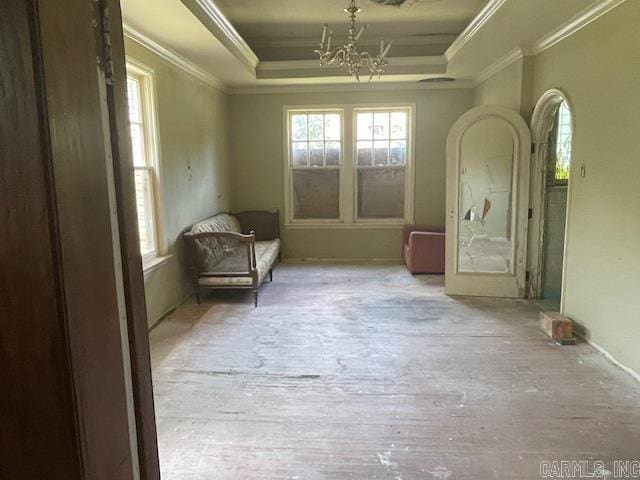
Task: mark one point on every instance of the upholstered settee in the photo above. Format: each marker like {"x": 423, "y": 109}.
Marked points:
{"x": 423, "y": 248}
{"x": 234, "y": 251}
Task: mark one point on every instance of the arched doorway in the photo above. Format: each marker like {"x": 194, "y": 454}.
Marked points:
{"x": 552, "y": 131}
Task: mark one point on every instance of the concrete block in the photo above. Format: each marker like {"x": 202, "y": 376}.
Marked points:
{"x": 557, "y": 326}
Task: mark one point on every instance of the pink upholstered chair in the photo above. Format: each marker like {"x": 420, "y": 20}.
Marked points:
{"x": 423, "y": 248}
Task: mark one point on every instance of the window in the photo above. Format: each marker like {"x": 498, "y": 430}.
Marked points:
{"x": 381, "y": 143}
{"x": 349, "y": 165}
{"x": 142, "y": 127}
{"x": 316, "y": 154}
{"x": 563, "y": 144}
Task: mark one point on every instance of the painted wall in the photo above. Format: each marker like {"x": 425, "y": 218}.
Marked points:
{"x": 511, "y": 87}
{"x": 598, "y": 69}
{"x": 195, "y": 169}
{"x": 257, "y": 145}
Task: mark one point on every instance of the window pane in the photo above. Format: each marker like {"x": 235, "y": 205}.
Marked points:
{"x": 133, "y": 98}
{"x": 381, "y": 125}
{"x": 399, "y": 125}
{"x": 380, "y": 152}
{"x": 299, "y": 127}
{"x": 398, "y": 152}
{"x": 381, "y": 192}
{"x": 300, "y": 155}
{"x": 144, "y": 205}
{"x": 563, "y": 143}
{"x": 332, "y": 126}
{"x": 316, "y": 127}
{"x": 365, "y": 150}
{"x": 316, "y": 154}
{"x": 316, "y": 193}
{"x": 365, "y": 126}
{"x": 332, "y": 153}
{"x": 137, "y": 144}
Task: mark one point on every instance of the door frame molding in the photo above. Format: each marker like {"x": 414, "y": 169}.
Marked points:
{"x": 542, "y": 122}
{"x": 132, "y": 269}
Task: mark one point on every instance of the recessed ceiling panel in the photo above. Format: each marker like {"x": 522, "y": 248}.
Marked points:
{"x": 290, "y": 29}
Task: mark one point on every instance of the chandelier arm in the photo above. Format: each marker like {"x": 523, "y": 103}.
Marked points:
{"x": 349, "y": 57}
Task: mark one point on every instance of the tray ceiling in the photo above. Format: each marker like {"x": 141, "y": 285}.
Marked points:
{"x": 290, "y": 29}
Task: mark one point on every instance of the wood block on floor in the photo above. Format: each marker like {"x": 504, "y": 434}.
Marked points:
{"x": 555, "y": 325}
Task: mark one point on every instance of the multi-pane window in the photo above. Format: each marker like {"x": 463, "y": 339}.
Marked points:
{"x": 315, "y": 143}
{"x": 141, "y": 127}
{"x": 563, "y": 143}
{"x": 349, "y": 165}
{"x": 381, "y": 152}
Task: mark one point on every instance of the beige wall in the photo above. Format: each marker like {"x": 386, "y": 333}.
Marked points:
{"x": 597, "y": 69}
{"x": 258, "y": 165}
{"x": 195, "y": 169}
{"x": 510, "y": 87}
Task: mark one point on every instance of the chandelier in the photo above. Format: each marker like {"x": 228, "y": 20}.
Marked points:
{"x": 349, "y": 57}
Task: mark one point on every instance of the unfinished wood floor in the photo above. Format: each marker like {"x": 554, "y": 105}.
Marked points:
{"x": 354, "y": 372}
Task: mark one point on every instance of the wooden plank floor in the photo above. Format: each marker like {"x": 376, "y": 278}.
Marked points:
{"x": 361, "y": 372}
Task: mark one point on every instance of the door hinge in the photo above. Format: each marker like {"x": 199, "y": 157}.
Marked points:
{"x": 100, "y": 23}
{"x": 533, "y": 148}
{"x": 527, "y": 275}
{"x": 530, "y": 213}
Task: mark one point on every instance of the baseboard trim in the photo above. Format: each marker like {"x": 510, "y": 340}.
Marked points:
{"x": 170, "y": 310}
{"x": 344, "y": 261}
{"x": 610, "y": 357}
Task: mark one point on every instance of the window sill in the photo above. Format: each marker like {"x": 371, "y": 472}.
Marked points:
{"x": 154, "y": 264}
{"x": 345, "y": 226}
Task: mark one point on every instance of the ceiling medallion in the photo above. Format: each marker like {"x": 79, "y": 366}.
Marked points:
{"x": 349, "y": 57}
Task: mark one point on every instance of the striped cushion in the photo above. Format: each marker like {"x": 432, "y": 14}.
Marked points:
{"x": 266, "y": 255}
{"x": 211, "y": 251}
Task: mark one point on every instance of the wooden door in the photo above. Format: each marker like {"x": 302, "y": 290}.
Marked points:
{"x": 77, "y": 388}
{"x": 488, "y": 156}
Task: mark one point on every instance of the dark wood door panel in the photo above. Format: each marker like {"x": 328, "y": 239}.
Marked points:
{"x": 38, "y": 435}
{"x": 80, "y": 150}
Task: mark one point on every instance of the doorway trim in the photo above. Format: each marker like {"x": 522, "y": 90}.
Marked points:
{"x": 542, "y": 123}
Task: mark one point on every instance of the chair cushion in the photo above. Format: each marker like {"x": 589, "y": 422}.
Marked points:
{"x": 266, "y": 255}
{"x": 211, "y": 251}
{"x": 222, "y": 222}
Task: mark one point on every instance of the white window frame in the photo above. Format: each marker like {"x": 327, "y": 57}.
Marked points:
{"x": 348, "y": 168}
{"x": 146, "y": 79}
{"x": 289, "y": 167}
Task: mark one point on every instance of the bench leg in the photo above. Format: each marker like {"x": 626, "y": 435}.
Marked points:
{"x": 255, "y": 298}
{"x": 271, "y": 275}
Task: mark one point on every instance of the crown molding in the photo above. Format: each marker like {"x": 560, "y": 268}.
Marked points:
{"x": 412, "y": 40}
{"x": 576, "y": 23}
{"x": 350, "y": 87}
{"x": 499, "y": 65}
{"x": 214, "y": 20}
{"x": 173, "y": 57}
{"x": 476, "y": 24}
{"x": 584, "y": 18}
{"x": 429, "y": 65}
